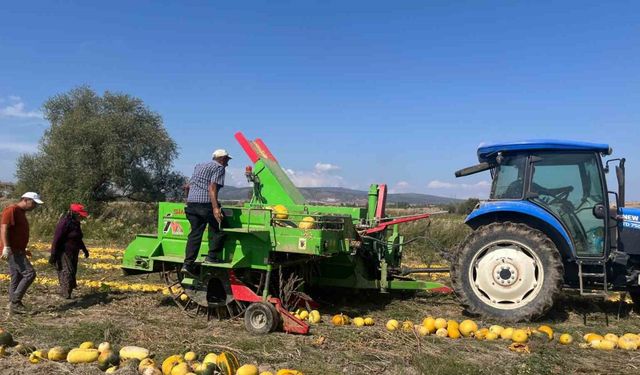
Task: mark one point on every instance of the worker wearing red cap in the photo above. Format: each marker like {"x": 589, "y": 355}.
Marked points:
{"x": 66, "y": 246}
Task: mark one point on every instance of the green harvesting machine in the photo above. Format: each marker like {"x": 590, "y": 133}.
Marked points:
{"x": 274, "y": 244}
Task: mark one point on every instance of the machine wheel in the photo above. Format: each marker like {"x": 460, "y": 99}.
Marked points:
{"x": 211, "y": 298}
{"x": 507, "y": 271}
{"x": 261, "y": 318}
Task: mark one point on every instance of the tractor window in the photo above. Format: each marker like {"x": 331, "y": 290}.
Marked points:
{"x": 508, "y": 182}
{"x": 569, "y": 186}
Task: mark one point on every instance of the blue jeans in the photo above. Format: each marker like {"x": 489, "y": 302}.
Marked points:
{"x": 200, "y": 215}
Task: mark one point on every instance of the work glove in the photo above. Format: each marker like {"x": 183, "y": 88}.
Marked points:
{"x": 86, "y": 253}
{"x": 6, "y": 251}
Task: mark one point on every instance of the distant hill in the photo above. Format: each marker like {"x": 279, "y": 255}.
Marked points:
{"x": 336, "y": 195}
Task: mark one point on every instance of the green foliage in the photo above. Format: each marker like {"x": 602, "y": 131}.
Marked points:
{"x": 100, "y": 149}
{"x": 463, "y": 208}
{"x": 441, "y": 233}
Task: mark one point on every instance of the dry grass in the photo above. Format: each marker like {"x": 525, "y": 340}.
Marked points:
{"x": 153, "y": 321}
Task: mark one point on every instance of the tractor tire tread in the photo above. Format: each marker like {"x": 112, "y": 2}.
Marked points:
{"x": 553, "y": 278}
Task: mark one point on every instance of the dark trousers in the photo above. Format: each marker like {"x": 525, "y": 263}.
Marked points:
{"x": 67, "y": 266}
{"x": 199, "y": 215}
{"x": 22, "y": 275}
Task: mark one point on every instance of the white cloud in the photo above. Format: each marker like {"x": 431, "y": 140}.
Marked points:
{"x": 400, "y": 187}
{"x": 325, "y": 167}
{"x": 18, "y": 147}
{"x": 322, "y": 175}
{"x": 16, "y": 108}
{"x": 479, "y": 189}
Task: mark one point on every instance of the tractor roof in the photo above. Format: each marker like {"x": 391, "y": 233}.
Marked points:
{"x": 487, "y": 152}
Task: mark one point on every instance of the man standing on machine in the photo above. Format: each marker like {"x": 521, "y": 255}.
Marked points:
{"x": 204, "y": 208}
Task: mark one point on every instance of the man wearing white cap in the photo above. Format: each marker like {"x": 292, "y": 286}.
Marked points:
{"x": 14, "y": 237}
{"x": 204, "y": 208}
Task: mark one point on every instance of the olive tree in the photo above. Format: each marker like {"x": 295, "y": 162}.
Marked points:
{"x": 98, "y": 149}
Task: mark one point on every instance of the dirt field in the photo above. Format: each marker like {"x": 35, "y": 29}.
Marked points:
{"x": 150, "y": 319}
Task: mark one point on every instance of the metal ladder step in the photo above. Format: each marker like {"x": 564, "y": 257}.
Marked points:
{"x": 602, "y": 275}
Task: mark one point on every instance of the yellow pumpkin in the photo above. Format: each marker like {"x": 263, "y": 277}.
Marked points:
{"x": 626, "y": 343}
{"x": 314, "y": 317}
{"x": 481, "y": 334}
{"x": 392, "y": 325}
{"x": 591, "y": 337}
{"x": 468, "y": 327}
{"x": 247, "y": 370}
{"x": 442, "y": 332}
{"x": 280, "y": 212}
{"x": 358, "y": 321}
{"x": 520, "y": 336}
{"x": 407, "y": 326}
{"x": 57, "y": 354}
{"x": 369, "y": 321}
{"x": 170, "y": 362}
{"x": 307, "y": 223}
{"x": 452, "y": 329}
{"x": 430, "y": 323}
{"x": 496, "y": 329}
{"x": 289, "y": 372}
{"x": 210, "y": 358}
{"x": 440, "y": 323}
{"x": 227, "y": 363}
{"x": 134, "y": 352}
{"x": 547, "y": 330}
{"x": 491, "y": 336}
{"x": 181, "y": 368}
{"x": 190, "y": 356}
{"x": 565, "y": 339}
{"x": 82, "y": 355}
{"x": 422, "y": 330}
{"x": 340, "y": 320}
{"x": 611, "y": 337}
{"x": 506, "y": 333}
{"x": 87, "y": 345}
{"x": 603, "y": 344}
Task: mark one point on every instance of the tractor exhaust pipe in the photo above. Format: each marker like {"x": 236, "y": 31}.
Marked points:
{"x": 621, "y": 176}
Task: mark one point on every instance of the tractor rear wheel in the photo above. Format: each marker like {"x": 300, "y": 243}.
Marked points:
{"x": 507, "y": 271}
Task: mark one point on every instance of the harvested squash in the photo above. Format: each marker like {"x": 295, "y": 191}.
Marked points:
{"x": 247, "y": 370}
{"x": 131, "y": 352}
{"x": 392, "y": 325}
{"x": 467, "y": 327}
{"x": 227, "y": 363}
{"x": 82, "y": 355}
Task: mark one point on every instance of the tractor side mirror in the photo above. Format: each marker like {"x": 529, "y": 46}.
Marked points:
{"x": 599, "y": 211}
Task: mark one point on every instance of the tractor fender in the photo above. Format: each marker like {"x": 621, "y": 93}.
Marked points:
{"x": 526, "y": 213}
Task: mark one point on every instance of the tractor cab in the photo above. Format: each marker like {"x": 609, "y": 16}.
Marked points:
{"x": 549, "y": 195}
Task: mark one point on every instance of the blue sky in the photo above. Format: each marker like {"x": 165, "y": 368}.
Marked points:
{"x": 344, "y": 93}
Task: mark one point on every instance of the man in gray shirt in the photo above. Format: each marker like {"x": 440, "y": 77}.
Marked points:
{"x": 203, "y": 208}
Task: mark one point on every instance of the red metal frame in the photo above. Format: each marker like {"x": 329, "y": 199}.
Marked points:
{"x": 248, "y": 148}
{"x": 290, "y": 323}
{"x": 382, "y": 201}
{"x": 263, "y": 147}
{"x": 382, "y": 226}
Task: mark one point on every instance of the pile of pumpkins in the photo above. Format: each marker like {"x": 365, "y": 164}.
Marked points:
{"x": 141, "y": 359}
{"x": 343, "y": 320}
{"x": 610, "y": 341}
{"x": 312, "y": 316}
{"x": 468, "y": 328}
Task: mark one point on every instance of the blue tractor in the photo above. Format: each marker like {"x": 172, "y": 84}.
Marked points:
{"x": 550, "y": 223}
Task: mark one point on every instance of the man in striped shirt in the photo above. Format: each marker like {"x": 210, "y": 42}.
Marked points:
{"x": 203, "y": 208}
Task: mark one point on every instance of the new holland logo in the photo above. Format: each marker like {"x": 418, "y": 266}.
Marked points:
{"x": 631, "y": 221}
